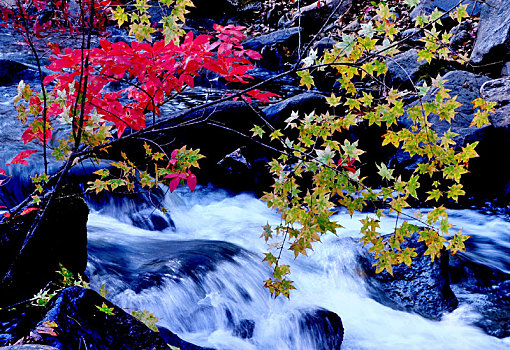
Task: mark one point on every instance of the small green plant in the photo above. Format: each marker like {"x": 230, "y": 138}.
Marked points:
{"x": 67, "y": 280}
{"x": 107, "y": 310}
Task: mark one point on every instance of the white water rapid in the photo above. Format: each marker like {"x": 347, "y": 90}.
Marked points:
{"x": 205, "y": 278}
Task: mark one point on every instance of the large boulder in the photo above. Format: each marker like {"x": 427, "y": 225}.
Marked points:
{"x": 492, "y": 42}
{"x": 274, "y": 46}
{"x": 60, "y": 239}
{"x": 466, "y": 86}
{"x": 498, "y": 90}
{"x": 422, "y": 288}
{"x": 79, "y": 323}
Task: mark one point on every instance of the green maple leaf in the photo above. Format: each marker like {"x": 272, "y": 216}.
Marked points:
{"x": 306, "y": 79}
{"x": 384, "y": 172}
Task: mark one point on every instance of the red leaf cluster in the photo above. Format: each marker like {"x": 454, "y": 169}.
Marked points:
{"x": 21, "y": 157}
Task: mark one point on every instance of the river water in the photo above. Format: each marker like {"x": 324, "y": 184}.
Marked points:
{"x": 204, "y": 278}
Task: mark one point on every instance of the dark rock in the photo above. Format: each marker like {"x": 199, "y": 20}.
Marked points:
{"x": 313, "y": 16}
{"x": 492, "y": 139}
{"x": 29, "y": 347}
{"x": 82, "y": 324}
{"x": 460, "y": 34}
{"x": 322, "y": 328}
{"x": 322, "y": 45}
{"x": 473, "y": 8}
{"x": 173, "y": 339}
{"x": 211, "y": 9}
{"x": 466, "y": 86}
{"x": 11, "y": 72}
{"x": 60, "y": 239}
{"x": 244, "y": 329}
{"x": 491, "y": 161}
{"x": 471, "y": 278}
{"x": 277, "y": 37}
{"x": 152, "y": 219}
{"x": 273, "y": 47}
{"x": 422, "y": 288}
{"x": 304, "y": 103}
{"x": 492, "y": 42}
{"x": 427, "y": 6}
{"x": 505, "y": 71}
{"x": 17, "y": 322}
{"x": 498, "y": 90}
{"x": 403, "y": 69}
{"x": 412, "y": 34}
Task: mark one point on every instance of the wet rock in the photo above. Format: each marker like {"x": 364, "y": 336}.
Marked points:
{"x": 11, "y": 72}
{"x": 403, "y": 69}
{"x": 273, "y": 46}
{"x": 244, "y": 329}
{"x": 472, "y": 278}
{"x": 493, "y": 37}
{"x": 82, "y": 324}
{"x": 322, "y": 328}
{"x": 422, "y": 288}
{"x": 304, "y": 103}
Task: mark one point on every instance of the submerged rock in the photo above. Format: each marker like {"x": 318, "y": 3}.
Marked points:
{"x": 323, "y": 328}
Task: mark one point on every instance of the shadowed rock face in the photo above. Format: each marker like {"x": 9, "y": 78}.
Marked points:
{"x": 61, "y": 239}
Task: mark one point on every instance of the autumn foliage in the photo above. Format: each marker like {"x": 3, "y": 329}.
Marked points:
{"x": 82, "y": 90}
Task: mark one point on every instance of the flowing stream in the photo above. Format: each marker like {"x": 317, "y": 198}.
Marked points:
{"x": 204, "y": 276}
